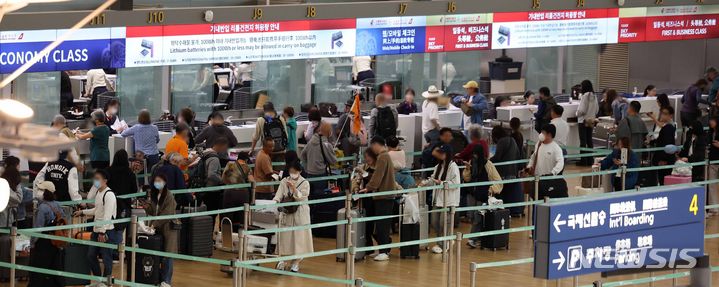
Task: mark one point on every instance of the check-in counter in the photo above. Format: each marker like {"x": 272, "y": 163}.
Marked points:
{"x": 525, "y": 113}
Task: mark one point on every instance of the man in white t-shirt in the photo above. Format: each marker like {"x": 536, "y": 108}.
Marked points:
{"x": 430, "y": 109}
{"x": 561, "y": 125}
{"x": 548, "y": 160}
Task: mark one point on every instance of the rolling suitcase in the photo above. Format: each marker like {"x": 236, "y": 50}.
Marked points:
{"x": 325, "y": 212}
{"x": 147, "y": 267}
{"x": 496, "y": 220}
{"x": 358, "y": 233}
{"x": 75, "y": 259}
{"x": 196, "y": 233}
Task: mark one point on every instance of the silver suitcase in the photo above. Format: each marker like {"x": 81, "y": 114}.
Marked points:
{"x": 358, "y": 231}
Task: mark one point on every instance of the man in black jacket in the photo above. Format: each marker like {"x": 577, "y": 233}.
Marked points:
{"x": 666, "y": 137}
{"x": 63, "y": 174}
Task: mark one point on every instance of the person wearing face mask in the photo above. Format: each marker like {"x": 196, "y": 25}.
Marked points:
{"x": 99, "y": 137}
{"x": 170, "y": 168}
{"x": 104, "y": 210}
{"x": 548, "y": 159}
{"x": 294, "y": 188}
{"x": 112, "y": 119}
{"x": 162, "y": 203}
{"x": 408, "y": 106}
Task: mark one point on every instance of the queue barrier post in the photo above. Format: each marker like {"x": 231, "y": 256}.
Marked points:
{"x": 458, "y": 258}
{"x": 236, "y": 272}
{"x": 109, "y": 280}
{"x": 13, "y": 242}
{"x": 359, "y": 282}
{"x": 624, "y": 177}
{"x": 597, "y": 283}
{"x": 445, "y": 188}
{"x": 349, "y": 257}
{"x": 121, "y": 259}
{"x": 530, "y": 216}
{"x": 706, "y": 174}
{"x": 243, "y": 241}
{"x": 472, "y": 274}
{"x": 133, "y": 243}
{"x": 675, "y": 280}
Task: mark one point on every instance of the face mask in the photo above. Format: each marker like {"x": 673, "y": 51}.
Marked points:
{"x": 540, "y": 137}
{"x": 112, "y": 111}
{"x": 96, "y": 183}
{"x": 294, "y": 176}
{"x": 159, "y": 185}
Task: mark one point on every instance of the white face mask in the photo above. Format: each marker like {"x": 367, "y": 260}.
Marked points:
{"x": 294, "y": 176}
{"x": 112, "y": 111}
{"x": 540, "y": 137}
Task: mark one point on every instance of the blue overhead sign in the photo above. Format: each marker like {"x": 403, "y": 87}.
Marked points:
{"x": 629, "y": 230}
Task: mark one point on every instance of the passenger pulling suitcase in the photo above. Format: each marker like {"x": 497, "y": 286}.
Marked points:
{"x": 196, "y": 233}
{"x": 496, "y": 220}
{"x": 147, "y": 267}
{"x": 358, "y": 233}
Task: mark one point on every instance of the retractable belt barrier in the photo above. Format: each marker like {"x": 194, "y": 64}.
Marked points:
{"x": 251, "y": 264}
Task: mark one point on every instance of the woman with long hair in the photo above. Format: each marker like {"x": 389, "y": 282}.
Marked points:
{"x": 586, "y": 117}
{"x": 446, "y": 170}
{"x": 163, "y": 203}
{"x": 480, "y": 169}
{"x": 122, "y": 180}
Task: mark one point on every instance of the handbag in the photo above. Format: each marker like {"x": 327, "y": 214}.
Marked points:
{"x": 290, "y": 209}
{"x": 175, "y": 224}
{"x": 467, "y": 109}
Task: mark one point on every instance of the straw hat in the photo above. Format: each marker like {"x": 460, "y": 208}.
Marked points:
{"x": 432, "y": 92}
{"x": 46, "y": 185}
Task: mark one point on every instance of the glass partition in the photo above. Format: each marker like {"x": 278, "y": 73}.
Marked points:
{"x": 459, "y": 68}
{"x": 332, "y": 80}
{"x": 139, "y": 88}
{"x": 542, "y": 68}
{"x": 192, "y": 86}
{"x": 41, "y": 91}
{"x": 282, "y": 81}
{"x": 581, "y": 63}
{"x": 406, "y": 71}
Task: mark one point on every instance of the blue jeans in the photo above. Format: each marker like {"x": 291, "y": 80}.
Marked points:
{"x": 113, "y": 237}
{"x": 166, "y": 271}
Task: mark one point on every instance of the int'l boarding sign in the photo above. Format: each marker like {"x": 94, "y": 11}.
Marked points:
{"x": 627, "y": 230}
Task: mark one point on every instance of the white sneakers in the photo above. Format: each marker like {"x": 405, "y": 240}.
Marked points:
{"x": 437, "y": 250}
{"x": 281, "y": 265}
{"x": 163, "y": 284}
{"x": 295, "y": 267}
{"x": 381, "y": 257}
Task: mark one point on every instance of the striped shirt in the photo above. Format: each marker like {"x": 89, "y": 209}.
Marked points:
{"x": 146, "y": 138}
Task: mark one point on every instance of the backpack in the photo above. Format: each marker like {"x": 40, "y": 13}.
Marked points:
{"x": 385, "y": 125}
{"x": 57, "y": 221}
{"x": 275, "y": 129}
{"x": 198, "y": 173}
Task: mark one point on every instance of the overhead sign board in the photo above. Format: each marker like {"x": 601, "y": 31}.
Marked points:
{"x": 206, "y": 43}
{"x": 576, "y": 237}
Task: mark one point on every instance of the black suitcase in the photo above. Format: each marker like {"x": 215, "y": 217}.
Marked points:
{"x": 75, "y": 261}
{"x": 409, "y": 232}
{"x": 496, "y": 220}
{"x": 196, "y": 233}
{"x": 325, "y": 212}
{"x": 147, "y": 267}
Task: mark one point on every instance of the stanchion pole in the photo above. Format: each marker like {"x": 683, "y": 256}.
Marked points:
{"x": 109, "y": 280}
{"x": 472, "y": 274}
{"x": 359, "y": 282}
{"x": 349, "y": 257}
{"x": 458, "y": 259}
{"x": 576, "y": 281}
{"x": 121, "y": 259}
{"x": 235, "y": 273}
{"x": 597, "y": 283}
{"x": 243, "y": 243}
{"x": 133, "y": 243}
{"x": 536, "y": 197}
{"x": 624, "y": 177}
{"x": 706, "y": 173}
{"x": 675, "y": 280}
{"x": 13, "y": 243}
{"x": 651, "y": 275}
{"x": 445, "y": 187}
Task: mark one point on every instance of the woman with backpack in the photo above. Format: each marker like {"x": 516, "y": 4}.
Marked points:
{"x": 294, "y": 188}
{"x": 162, "y": 203}
{"x": 479, "y": 169}
{"x": 45, "y": 253}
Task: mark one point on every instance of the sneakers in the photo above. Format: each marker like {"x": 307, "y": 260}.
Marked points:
{"x": 381, "y": 257}
{"x": 473, "y": 244}
{"x": 281, "y": 265}
{"x": 373, "y": 255}
{"x": 437, "y": 250}
{"x": 163, "y": 284}
{"x": 295, "y": 267}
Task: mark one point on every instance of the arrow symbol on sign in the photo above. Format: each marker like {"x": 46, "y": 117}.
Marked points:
{"x": 559, "y": 260}
{"x": 558, "y": 222}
